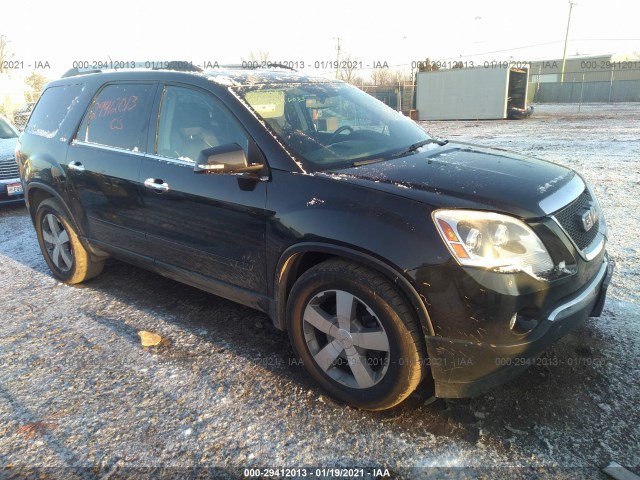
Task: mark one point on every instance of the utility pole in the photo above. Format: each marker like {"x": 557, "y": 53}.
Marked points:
{"x": 338, "y": 56}
{"x": 566, "y": 37}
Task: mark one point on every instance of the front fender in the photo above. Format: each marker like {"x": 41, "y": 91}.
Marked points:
{"x": 292, "y": 260}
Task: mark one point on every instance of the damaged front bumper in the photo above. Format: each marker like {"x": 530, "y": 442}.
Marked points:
{"x": 465, "y": 369}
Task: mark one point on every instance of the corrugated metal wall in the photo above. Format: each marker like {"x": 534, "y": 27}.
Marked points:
{"x": 586, "y": 92}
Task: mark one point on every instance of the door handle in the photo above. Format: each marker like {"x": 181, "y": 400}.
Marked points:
{"x": 77, "y": 166}
{"x": 156, "y": 184}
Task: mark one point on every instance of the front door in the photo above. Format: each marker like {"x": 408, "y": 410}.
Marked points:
{"x": 207, "y": 227}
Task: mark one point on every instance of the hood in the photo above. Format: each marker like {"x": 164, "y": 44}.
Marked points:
{"x": 468, "y": 176}
{"x": 7, "y": 146}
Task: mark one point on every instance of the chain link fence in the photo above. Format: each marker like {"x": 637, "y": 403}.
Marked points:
{"x": 398, "y": 97}
{"x": 17, "y": 106}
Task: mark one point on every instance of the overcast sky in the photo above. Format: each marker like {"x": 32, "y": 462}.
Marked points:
{"x": 395, "y": 32}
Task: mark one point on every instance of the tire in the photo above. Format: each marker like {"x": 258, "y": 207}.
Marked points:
{"x": 371, "y": 356}
{"x": 65, "y": 255}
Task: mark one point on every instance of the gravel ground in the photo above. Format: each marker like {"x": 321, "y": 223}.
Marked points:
{"x": 80, "y": 396}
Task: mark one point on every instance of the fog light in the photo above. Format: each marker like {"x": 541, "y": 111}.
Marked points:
{"x": 521, "y": 324}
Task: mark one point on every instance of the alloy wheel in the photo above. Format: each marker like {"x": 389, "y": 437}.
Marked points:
{"x": 57, "y": 242}
{"x": 346, "y": 338}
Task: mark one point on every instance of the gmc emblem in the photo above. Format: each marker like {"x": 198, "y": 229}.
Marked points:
{"x": 589, "y": 217}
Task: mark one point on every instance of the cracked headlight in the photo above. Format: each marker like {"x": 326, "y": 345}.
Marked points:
{"x": 492, "y": 240}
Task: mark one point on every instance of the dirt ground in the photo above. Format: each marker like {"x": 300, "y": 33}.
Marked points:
{"x": 81, "y": 398}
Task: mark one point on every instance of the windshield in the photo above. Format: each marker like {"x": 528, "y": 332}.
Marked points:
{"x": 332, "y": 126}
{"x": 6, "y": 131}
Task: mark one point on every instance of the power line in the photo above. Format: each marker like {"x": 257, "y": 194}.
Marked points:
{"x": 522, "y": 47}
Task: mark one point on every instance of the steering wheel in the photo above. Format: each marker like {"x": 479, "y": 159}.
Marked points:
{"x": 343, "y": 128}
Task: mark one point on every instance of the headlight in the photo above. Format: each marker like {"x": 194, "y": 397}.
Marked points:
{"x": 492, "y": 240}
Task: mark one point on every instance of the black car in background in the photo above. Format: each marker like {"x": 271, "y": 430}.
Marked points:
{"x": 10, "y": 184}
{"x": 390, "y": 257}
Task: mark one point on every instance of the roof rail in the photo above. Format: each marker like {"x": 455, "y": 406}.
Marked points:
{"x": 73, "y": 72}
{"x": 234, "y": 66}
{"x": 177, "y": 65}
{"x": 280, "y": 65}
{"x": 260, "y": 65}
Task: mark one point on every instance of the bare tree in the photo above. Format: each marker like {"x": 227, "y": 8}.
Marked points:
{"x": 400, "y": 77}
{"x": 36, "y": 81}
{"x": 4, "y": 52}
{"x": 357, "y": 80}
{"x": 381, "y": 76}
{"x": 348, "y": 69}
{"x": 259, "y": 57}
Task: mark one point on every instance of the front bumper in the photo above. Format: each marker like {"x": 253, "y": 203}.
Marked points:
{"x": 467, "y": 369}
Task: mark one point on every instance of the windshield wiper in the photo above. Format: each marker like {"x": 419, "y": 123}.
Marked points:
{"x": 367, "y": 162}
{"x": 417, "y": 145}
{"x": 409, "y": 149}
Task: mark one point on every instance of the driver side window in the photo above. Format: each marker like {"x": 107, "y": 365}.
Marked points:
{"x": 192, "y": 121}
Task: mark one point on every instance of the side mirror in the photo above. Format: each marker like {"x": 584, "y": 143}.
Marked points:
{"x": 229, "y": 158}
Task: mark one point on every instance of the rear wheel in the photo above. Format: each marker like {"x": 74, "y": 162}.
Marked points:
{"x": 64, "y": 253}
{"x": 356, "y": 335}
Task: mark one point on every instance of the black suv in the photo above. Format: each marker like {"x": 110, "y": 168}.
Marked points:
{"x": 390, "y": 257}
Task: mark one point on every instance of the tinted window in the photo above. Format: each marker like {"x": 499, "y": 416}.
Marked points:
{"x": 119, "y": 116}
{"x": 52, "y": 109}
{"x": 6, "y": 131}
{"x": 191, "y": 121}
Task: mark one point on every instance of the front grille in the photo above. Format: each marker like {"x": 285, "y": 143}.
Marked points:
{"x": 8, "y": 169}
{"x": 570, "y": 219}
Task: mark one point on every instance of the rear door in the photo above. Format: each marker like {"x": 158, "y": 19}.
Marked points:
{"x": 209, "y": 228}
{"x": 103, "y": 166}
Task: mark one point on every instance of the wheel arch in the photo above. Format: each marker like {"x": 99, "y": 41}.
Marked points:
{"x": 37, "y": 192}
{"x": 298, "y": 258}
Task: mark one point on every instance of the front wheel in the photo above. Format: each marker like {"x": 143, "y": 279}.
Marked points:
{"x": 356, "y": 335}
{"x": 64, "y": 253}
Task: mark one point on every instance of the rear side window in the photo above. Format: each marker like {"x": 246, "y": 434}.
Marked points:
{"x": 53, "y": 107}
{"x": 119, "y": 117}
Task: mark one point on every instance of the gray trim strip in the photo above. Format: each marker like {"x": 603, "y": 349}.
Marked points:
{"x": 592, "y": 251}
{"x": 171, "y": 160}
{"x": 588, "y": 294}
{"x": 110, "y": 149}
{"x": 562, "y": 197}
